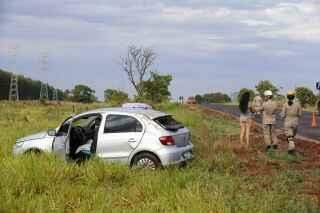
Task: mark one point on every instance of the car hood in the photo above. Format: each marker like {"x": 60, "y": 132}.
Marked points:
{"x": 36, "y": 136}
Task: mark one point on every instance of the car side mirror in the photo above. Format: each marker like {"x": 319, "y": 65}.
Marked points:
{"x": 52, "y": 132}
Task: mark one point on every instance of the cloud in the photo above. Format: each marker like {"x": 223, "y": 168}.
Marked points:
{"x": 294, "y": 21}
{"x": 224, "y": 35}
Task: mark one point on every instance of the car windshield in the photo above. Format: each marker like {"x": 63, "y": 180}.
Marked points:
{"x": 168, "y": 123}
{"x": 84, "y": 121}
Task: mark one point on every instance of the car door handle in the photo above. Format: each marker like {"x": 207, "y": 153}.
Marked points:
{"x": 132, "y": 140}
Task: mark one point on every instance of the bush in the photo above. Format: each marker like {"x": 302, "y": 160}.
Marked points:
{"x": 244, "y": 90}
{"x": 217, "y": 97}
{"x": 305, "y": 96}
{"x": 115, "y": 97}
{"x": 266, "y": 85}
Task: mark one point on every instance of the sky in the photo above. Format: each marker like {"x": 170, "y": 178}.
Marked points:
{"x": 206, "y": 45}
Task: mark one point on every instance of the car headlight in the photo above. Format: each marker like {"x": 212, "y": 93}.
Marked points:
{"x": 18, "y": 145}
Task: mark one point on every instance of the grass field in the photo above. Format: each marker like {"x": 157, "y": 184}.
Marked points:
{"x": 218, "y": 180}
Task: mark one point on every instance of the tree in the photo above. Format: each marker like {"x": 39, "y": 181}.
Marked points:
{"x": 244, "y": 90}
{"x": 156, "y": 89}
{"x": 266, "y": 85}
{"x": 115, "y": 97}
{"x": 199, "y": 99}
{"x": 217, "y": 97}
{"x": 28, "y": 89}
{"x": 136, "y": 65}
{"x": 83, "y": 93}
{"x": 67, "y": 95}
{"x": 305, "y": 96}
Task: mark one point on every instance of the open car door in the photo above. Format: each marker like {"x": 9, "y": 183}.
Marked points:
{"x": 61, "y": 141}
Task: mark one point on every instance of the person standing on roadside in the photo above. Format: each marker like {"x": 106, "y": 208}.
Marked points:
{"x": 269, "y": 109}
{"x": 291, "y": 112}
{"x": 257, "y": 103}
{"x": 245, "y": 118}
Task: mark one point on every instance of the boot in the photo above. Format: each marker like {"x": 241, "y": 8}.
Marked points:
{"x": 292, "y": 152}
{"x": 268, "y": 148}
{"x": 291, "y": 148}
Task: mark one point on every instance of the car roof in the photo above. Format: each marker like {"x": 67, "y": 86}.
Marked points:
{"x": 150, "y": 113}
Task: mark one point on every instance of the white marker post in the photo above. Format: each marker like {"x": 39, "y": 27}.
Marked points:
{"x": 318, "y": 102}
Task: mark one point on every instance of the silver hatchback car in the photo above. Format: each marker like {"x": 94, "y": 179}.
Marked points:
{"x": 137, "y": 137}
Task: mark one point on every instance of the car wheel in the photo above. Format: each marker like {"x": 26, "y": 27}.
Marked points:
{"x": 33, "y": 152}
{"x": 146, "y": 161}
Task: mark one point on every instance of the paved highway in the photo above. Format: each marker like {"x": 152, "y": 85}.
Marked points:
{"x": 304, "y": 126}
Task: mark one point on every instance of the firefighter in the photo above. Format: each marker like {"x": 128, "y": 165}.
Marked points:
{"x": 257, "y": 103}
{"x": 291, "y": 112}
{"x": 269, "y": 109}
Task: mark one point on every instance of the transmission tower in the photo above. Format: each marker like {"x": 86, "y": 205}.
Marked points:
{"x": 44, "y": 91}
{"x": 55, "y": 95}
{"x": 14, "y": 87}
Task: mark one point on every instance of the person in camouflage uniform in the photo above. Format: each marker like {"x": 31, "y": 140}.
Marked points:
{"x": 291, "y": 112}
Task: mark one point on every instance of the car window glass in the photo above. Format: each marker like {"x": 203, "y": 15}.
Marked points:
{"x": 84, "y": 121}
{"x": 122, "y": 123}
{"x": 64, "y": 129}
{"x": 168, "y": 123}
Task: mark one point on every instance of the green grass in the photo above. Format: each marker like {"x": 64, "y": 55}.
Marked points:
{"x": 284, "y": 156}
{"x": 213, "y": 182}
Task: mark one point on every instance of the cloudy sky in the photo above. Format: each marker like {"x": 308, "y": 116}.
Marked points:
{"x": 207, "y": 45}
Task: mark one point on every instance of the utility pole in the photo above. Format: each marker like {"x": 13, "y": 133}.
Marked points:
{"x": 14, "y": 87}
{"x": 44, "y": 91}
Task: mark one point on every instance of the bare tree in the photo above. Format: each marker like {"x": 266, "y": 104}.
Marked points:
{"x": 137, "y": 65}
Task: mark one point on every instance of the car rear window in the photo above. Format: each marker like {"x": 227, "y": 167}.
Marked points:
{"x": 169, "y": 123}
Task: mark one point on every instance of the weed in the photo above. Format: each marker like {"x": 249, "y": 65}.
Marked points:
{"x": 213, "y": 182}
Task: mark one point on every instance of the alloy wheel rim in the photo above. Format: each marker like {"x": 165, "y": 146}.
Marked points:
{"x": 146, "y": 163}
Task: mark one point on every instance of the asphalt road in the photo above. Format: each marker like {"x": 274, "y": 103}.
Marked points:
{"x": 304, "y": 129}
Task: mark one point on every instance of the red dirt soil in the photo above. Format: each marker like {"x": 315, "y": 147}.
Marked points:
{"x": 255, "y": 162}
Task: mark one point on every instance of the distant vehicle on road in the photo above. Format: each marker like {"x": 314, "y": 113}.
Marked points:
{"x": 138, "y": 137}
{"x": 191, "y": 100}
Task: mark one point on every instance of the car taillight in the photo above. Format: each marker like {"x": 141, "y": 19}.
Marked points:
{"x": 167, "y": 140}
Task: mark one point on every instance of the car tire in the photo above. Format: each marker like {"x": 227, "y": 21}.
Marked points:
{"x": 146, "y": 161}
{"x": 33, "y": 151}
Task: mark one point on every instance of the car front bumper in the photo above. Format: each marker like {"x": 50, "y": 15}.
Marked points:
{"x": 175, "y": 155}
{"x": 17, "y": 149}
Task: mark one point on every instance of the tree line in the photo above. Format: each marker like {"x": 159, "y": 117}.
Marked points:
{"x": 28, "y": 89}
{"x": 305, "y": 95}
{"x": 150, "y": 85}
